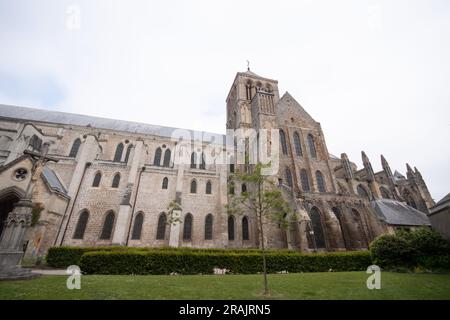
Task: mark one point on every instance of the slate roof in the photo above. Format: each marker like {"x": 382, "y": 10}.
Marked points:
{"x": 441, "y": 204}
{"x": 398, "y": 213}
{"x": 32, "y": 114}
{"x": 53, "y": 182}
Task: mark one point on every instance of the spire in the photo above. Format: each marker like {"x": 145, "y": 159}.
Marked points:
{"x": 408, "y": 168}
{"x": 386, "y": 166}
{"x": 368, "y": 167}
{"x": 347, "y": 167}
{"x": 409, "y": 172}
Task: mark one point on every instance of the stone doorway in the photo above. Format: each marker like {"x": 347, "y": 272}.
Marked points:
{"x": 7, "y": 201}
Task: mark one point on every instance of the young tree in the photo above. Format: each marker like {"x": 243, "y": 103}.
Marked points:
{"x": 264, "y": 200}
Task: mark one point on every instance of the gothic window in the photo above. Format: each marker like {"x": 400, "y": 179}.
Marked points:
{"x": 35, "y": 143}
{"x": 167, "y": 155}
{"x": 157, "y": 159}
{"x": 161, "y": 230}
{"x": 193, "y": 186}
{"x": 137, "y": 227}
{"x": 97, "y": 179}
{"x": 384, "y": 193}
{"x": 243, "y": 188}
{"x": 75, "y": 146}
{"x": 312, "y": 146}
{"x": 320, "y": 181}
{"x": 232, "y": 164}
{"x": 297, "y": 144}
{"x": 81, "y": 225}
{"x": 362, "y": 192}
{"x": 362, "y": 235}
{"x": 187, "y": 228}
{"x": 409, "y": 199}
{"x": 193, "y": 160}
{"x": 339, "y": 217}
{"x": 289, "y": 177}
{"x": 231, "y": 188}
{"x": 245, "y": 233}
{"x": 202, "y": 162}
{"x": 165, "y": 183}
{"x": 283, "y": 142}
{"x": 208, "y": 187}
{"x": 230, "y": 228}
{"x": 127, "y": 154}
{"x": 118, "y": 154}
{"x": 108, "y": 226}
{"x": 116, "y": 181}
{"x": 304, "y": 180}
{"x": 316, "y": 222}
{"x": 208, "y": 227}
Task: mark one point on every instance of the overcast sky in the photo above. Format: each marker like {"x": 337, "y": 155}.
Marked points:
{"x": 375, "y": 74}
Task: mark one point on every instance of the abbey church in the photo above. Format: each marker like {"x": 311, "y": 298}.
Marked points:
{"x": 90, "y": 181}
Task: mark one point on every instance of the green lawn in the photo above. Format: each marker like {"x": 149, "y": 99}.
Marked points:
{"x": 331, "y": 285}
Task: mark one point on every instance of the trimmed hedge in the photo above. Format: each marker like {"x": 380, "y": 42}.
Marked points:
{"x": 196, "y": 261}
{"x": 62, "y": 257}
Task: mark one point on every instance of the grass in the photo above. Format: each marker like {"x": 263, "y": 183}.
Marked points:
{"x": 330, "y": 285}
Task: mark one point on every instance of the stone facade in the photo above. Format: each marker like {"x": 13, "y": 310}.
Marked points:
{"x": 332, "y": 198}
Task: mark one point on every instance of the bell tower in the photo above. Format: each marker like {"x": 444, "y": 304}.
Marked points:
{"x": 250, "y": 95}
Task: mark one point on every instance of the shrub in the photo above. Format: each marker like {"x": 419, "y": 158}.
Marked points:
{"x": 425, "y": 242}
{"x": 204, "y": 261}
{"x": 391, "y": 251}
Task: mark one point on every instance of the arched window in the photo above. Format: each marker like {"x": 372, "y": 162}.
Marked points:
{"x": 187, "y": 228}
{"x": 137, "y": 227}
{"x": 362, "y": 192}
{"x": 167, "y": 155}
{"x": 312, "y": 146}
{"x": 161, "y": 230}
{"x": 283, "y": 142}
{"x": 339, "y": 217}
{"x": 118, "y": 154}
{"x": 243, "y": 188}
{"x": 116, "y": 181}
{"x": 409, "y": 199}
{"x": 81, "y": 225}
{"x": 245, "y": 233}
{"x": 165, "y": 183}
{"x": 304, "y": 180}
{"x": 297, "y": 144}
{"x": 230, "y": 228}
{"x": 127, "y": 154}
{"x": 157, "y": 159}
{"x": 289, "y": 177}
{"x": 108, "y": 226}
{"x": 362, "y": 234}
{"x": 202, "y": 161}
{"x": 231, "y": 188}
{"x": 208, "y": 227}
{"x": 316, "y": 222}
{"x": 320, "y": 181}
{"x": 208, "y": 187}
{"x": 35, "y": 143}
{"x": 97, "y": 179}
{"x": 232, "y": 164}
{"x": 193, "y": 160}
{"x": 193, "y": 186}
{"x": 384, "y": 193}
{"x": 75, "y": 147}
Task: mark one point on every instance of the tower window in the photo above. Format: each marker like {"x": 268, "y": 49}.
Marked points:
{"x": 75, "y": 147}
{"x": 208, "y": 187}
{"x": 161, "y": 230}
{"x": 208, "y": 227}
{"x": 97, "y": 179}
{"x": 304, "y": 180}
{"x": 187, "y": 228}
{"x": 137, "y": 227}
{"x": 118, "y": 154}
{"x": 157, "y": 159}
{"x": 165, "y": 183}
{"x": 81, "y": 225}
{"x": 297, "y": 144}
{"x": 116, "y": 181}
{"x": 320, "y": 181}
{"x": 193, "y": 186}
{"x": 167, "y": 155}
{"x": 108, "y": 226}
{"x": 312, "y": 146}
{"x": 283, "y": 142}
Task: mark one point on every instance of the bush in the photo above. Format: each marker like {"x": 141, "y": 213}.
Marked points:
{"x": 420, "y": 249}
{"x": 390, "y": 251}
{"x": 204, "y": 261}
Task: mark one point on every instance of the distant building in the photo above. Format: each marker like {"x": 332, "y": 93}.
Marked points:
{"x": 114, "y": 180}
{"x": 440, "y": 217}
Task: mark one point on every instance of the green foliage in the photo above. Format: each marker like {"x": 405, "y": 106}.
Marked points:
{"x": 419, "y": 249}
{"x": 390, "y": 251}
{"x": 204, "y": 261}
